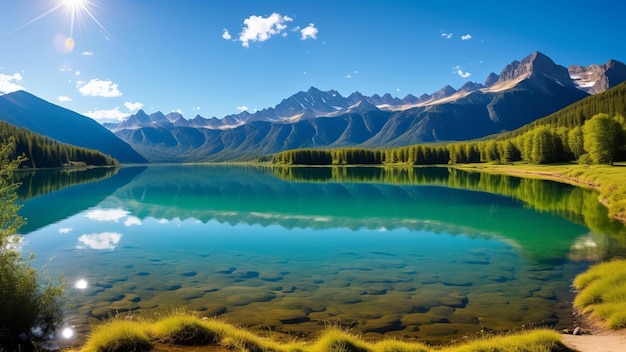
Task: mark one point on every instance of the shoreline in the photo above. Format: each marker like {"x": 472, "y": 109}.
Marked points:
{"x": 594, "y": 336}
{"x": 572, "y": 174}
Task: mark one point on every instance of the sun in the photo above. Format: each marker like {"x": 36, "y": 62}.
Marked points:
{"x": 75, "y": 10}
{"x": 74, "y": 5}
{"x": 78, "y": 9}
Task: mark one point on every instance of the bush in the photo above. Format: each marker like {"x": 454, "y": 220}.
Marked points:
{"x": 185, "y": 329}
{"x": 337, "y": 340}
{"x": 119, "y": 336}
{"x": 28, "y": 311}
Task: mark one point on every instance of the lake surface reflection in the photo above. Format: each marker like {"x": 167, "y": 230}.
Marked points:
{"x": 426, "y": 253}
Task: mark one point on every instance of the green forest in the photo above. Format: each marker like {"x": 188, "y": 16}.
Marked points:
{"x": 592, "y": 131}
{"x": 43, "y": 152}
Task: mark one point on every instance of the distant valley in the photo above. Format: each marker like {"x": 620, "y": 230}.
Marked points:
{"x": 523, "y": 92}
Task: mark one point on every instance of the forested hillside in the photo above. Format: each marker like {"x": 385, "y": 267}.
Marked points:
{"x": 43, "y": 152}
{"x": 590, "y": 131}
{"x": 24, "y": 110}
{"x": 611, "y": 102}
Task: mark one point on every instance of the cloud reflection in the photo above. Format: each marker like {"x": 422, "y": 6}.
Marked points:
{"x": 132, "y": 220}
{"x": 106, "y": 215}
{"x": 105, "y": 240}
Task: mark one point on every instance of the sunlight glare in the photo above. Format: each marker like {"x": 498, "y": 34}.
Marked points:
{"x": 75, "y": 9}
{"x": 81, "y": 284}
{"x": 73, "y": 5}
{"x": 67, "y": 333}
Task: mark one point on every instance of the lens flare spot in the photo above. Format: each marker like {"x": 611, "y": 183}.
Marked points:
{"x": 70, "y": 44}
{"x": 81, "y": 284}
{"x": 63, "y": 44}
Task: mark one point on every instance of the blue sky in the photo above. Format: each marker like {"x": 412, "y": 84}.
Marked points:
{"x": 109, "y": 58}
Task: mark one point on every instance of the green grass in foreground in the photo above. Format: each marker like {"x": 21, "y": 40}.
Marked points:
{"x": 186, "y": 329}
{"x": 602, "y": 293}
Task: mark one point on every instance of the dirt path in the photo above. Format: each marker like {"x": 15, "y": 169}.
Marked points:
{"x": 595, "y": 338}
{"x": 601, "y": 341}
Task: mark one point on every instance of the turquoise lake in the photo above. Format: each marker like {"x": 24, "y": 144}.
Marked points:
{"x": 432, "y": 254}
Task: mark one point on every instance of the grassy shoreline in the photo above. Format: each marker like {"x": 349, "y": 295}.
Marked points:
{"x": 601, "y": 293}
{"x": 181, "y": 329}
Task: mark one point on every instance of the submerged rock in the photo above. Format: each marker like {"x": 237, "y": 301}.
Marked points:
{"x": 454, "y": 300}
{"x": 384, "y": 324}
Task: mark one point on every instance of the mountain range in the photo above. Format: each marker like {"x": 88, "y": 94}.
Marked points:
{"x": 522, "y": 92}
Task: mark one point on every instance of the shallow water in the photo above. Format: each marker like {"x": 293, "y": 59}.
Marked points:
{"x": 399, "y": 253}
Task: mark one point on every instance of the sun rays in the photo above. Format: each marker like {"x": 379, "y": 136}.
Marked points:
{"x": 76, "y": 11}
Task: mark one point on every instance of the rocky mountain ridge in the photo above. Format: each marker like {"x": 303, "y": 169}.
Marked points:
{"x": 596, "y": 78}
{"x": 524, "y": 91}
{"x": 315, "y": 103}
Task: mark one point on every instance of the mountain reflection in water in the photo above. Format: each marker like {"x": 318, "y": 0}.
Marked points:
{"x": 429, "y": 253}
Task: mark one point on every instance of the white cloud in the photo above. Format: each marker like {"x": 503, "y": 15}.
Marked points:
{"x": 65, "y": 230}
{"x": 309, "y": 32}
{"x": 77, "y": 73}
{"x": 179, "y": 111}
{"x": 348, "y": 76}
{"x": 8, "y": 83}
{"x": 112, "y": 114}
{"x": 226, "y": 35}
{"x": 132, "y": 107}
{"x": 105, "y": 240}
{"x": 463, "y": 74}
{"x": 466, "y": 37}
{"x": 260, "y": 29}
{"x": 64, "y": 98}
{"x": 196, "y": 108}
{"x": 446, "y": 35}
{"x": 106, "y": 215}
{"x": 100, "y": 88}
{"x": 87, "y": 53}
{"x": 242, "y": 108}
